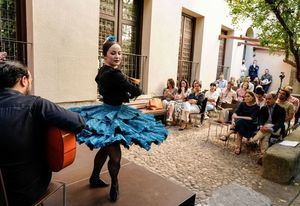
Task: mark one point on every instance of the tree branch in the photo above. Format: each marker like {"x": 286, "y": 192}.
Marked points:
{"x": 290, "y": 62}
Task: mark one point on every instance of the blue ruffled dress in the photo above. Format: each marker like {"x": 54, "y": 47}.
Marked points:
{"x": 107, "y": 124}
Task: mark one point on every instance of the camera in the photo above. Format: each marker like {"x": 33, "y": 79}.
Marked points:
{"x": 281, "y": 76}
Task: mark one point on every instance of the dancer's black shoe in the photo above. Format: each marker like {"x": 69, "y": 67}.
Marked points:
{"x": 97, "y": 182}
{"x": 114, "y": 192}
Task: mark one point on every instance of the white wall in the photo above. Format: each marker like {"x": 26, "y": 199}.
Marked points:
{"x": 65, "y": 49}
{"x": 275, "y": 64}
{"x": 164, "y": 31}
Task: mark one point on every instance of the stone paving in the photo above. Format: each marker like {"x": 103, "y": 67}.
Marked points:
{"x": 186, "y": 158}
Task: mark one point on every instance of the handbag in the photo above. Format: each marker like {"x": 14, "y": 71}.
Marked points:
{"x": 155, "y": 103}
{"x": 61, "y": 148}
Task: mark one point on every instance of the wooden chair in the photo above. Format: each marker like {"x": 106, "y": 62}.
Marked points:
{"x": 53, "y": 187}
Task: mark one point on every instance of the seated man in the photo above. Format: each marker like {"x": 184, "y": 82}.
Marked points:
{"x": 295, "y": 101}
{"x": 228, "y": 94}
{"x": 192, "y": 105}
{"x": 23, "y": 120}
{"x": 282, "y": 100}
{"x": 270, "y": 121}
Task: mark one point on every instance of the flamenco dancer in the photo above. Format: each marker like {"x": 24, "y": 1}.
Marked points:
{"x": 112, "y": 123}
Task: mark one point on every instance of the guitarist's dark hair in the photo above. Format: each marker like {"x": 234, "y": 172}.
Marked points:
{"x": 11, "y": 72}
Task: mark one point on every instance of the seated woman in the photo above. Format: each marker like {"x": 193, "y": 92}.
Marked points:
{"x": 212, "y": 96}
{"x": 244, "y": 120}
{"x": 169, "y": 94}
{"x": 175, "y": 107}
{"x": 240, "y": 92}
{"x": 192, "y": 105}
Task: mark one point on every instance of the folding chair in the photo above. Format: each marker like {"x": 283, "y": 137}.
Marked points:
{"x": 53, "y": 187}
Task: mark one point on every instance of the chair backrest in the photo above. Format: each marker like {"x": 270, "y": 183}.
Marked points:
{"x": 3, "y": 196}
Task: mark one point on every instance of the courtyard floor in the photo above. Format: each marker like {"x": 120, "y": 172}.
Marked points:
{"x": 187, "y": 158}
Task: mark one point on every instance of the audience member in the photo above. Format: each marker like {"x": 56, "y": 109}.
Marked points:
{"x": 181, "y": 96}
{"x": 250, "y": 84}
{"x": 244, "y": 120}
{"x": 291, "y": 99}
{"x": 169, "y": 93}
{"x": 228, "y": 94}
{"x": 212, "y": 97}
{"x": 192, "y": 105}
{"x": 243, "y": 73}
{"x": 256, "y": 82}
{"x": 271, "y": 121}
{"x": 221, "y": 82}
{"x": 259, "y": 93}
{"x": 282, "y": 100}
{"x": 266, "y": 80}
{"x": 240, "y": 92}
{"x": 3, "y": 56}
{"x": 295, "y": 102}
{"x": 234, "y": 82}
{"x": 253, "y": 70}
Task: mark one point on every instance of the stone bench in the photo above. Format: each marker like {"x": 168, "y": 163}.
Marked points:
{"x": 282, "y": 163}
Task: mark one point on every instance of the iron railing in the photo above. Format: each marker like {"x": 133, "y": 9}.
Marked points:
{"x": 224, "y": 70}
{"x": 187, "y": 70}
{"x": 132, "y": 65}
{"x": 16, "y": 50}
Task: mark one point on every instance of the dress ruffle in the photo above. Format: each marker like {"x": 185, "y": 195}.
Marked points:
{"x": 107, "y": 124}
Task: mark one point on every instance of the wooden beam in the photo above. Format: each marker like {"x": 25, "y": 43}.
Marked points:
{"x": 258, "y": 46}
{"x": 245, "y": 38}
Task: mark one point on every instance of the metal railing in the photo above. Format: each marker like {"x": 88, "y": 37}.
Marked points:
{"x": 16, "y": 50}
{"x": 223, "y": 69}
{"x": 132, "y": 65}
{"x": 187, "y": 70}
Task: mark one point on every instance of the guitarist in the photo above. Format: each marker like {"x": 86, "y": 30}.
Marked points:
{"x": 23, "y": 119}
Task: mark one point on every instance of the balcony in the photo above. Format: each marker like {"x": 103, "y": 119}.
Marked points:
{"x": 225, "y": 70}
{"x": 187, "y": 70}
{"x": 132, "y": 65}
{"x": 16, "y": 50}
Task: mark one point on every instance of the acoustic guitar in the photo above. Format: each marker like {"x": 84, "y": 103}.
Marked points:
{"x": 61, "y": 148}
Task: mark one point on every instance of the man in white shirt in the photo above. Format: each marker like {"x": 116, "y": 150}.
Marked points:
{"x": 250, "y": 85}
{"x": 228, "y": 94}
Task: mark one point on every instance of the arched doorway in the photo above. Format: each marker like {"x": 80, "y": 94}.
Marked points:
{"x": 248, "y": 53}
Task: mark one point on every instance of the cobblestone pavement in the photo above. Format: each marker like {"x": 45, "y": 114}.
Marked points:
{"x": 187, "y": 159}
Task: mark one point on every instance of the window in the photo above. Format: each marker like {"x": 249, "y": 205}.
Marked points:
{"x": 186, "y": 42}
{"x": 122, "y": 18}
{"x": 13, "y": 29}
{"x": 221, "y": 57}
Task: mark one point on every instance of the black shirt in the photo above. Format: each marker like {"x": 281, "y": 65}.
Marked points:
{"x": 23, "y": 119}
{"x": 114, "y": 87}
